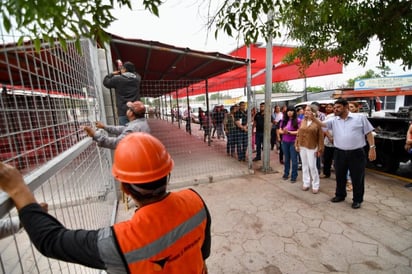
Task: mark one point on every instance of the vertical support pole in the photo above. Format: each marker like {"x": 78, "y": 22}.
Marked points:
{"x": 268, "y": 104}
{"x": 208, "y": 111}
{"x": 249, "y": 107}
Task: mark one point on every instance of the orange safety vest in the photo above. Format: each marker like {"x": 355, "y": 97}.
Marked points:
{"x": 166, "y": 236}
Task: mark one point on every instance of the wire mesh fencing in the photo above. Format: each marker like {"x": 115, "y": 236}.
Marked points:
{"x": 47, "y": 96}
{"x": 197, "y": 132}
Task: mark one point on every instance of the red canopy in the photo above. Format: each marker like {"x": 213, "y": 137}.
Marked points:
{"x": 281, "y": 71}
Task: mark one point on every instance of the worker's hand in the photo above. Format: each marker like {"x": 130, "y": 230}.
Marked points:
{"x": 100, "y": 124}
{"x": 12, "y": 182}
{"x": 89, "y": 131}
{"x": 10, "y": 177}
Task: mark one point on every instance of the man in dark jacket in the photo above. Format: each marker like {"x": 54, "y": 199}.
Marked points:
{"x": 126, "y": 83}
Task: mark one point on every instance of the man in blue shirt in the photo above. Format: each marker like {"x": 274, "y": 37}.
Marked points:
{"x": 349, "y": 130}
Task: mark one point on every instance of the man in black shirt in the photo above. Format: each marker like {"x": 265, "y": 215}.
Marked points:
{"x": 126, "y": 83}
{"x": 258, "y": 124}
{"x": 241, "y": 126}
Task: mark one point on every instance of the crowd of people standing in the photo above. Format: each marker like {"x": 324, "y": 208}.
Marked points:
{"x": 304, "y": 139}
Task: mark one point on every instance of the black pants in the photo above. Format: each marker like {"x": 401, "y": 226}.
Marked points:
{"x": 259, "y": 144}
{"x": 272, "y": 138}
{"x": 241, "y": 145}
{"x": 188, "y": 124}
{"x": 355, "y": 162}
{"x": 327, "y": 160}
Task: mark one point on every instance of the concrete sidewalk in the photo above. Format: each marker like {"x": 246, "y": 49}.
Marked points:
{"x": 263, "y": 224}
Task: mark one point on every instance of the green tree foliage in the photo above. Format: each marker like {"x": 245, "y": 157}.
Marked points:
{"x": 64, "y": 20}
{"x": 323, "y": 28}
{"x": 279, "y": 87}
{"x": 327, "y": 28}
{"x": 314, "y": 89}
{"x": 215, "y": 96}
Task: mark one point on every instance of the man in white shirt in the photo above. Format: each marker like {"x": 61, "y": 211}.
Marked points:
{"x": 349, "y": 130}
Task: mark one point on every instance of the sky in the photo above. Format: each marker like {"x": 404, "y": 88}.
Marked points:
{"x": 182, "y": 23}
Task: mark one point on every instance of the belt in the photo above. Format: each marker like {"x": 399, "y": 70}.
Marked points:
{"x": 349, "y": 150}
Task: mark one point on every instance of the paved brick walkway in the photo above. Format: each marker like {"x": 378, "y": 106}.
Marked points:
{"x": 262, "y": 224}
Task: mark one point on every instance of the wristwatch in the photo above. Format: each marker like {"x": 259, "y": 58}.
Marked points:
{"x": 372, "y": 146}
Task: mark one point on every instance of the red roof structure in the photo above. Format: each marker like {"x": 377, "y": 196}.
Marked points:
{"x": 171, "y": 67}
{"x": 281, "y": 72}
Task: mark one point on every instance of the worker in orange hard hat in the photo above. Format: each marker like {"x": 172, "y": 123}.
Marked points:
{"x": 169, "y": 233}
{"x": 137, "y": 123}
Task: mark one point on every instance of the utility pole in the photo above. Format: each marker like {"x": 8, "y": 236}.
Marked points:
{"x": 268, "y": 100}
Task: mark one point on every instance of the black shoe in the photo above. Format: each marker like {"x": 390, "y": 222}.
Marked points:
{"x": 284, "y": 177}
{"x": 256, "y": 159}
{"x": 293, "y": 181}
{"x": 337, "y": 199}
{"x": 356, "y": 205}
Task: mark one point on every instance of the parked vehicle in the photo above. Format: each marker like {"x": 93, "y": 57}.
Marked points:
{"x": 390, "y": 126}
{"x": 390, "y": 139}
{"x": 363, "y": 105}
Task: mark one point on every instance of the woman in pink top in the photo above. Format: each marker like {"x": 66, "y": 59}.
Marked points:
{"x": 289, "y": 128}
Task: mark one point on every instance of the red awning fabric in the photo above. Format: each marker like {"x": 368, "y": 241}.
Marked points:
{"x": 170, "y": 67}
{"x": 281, "y": 72}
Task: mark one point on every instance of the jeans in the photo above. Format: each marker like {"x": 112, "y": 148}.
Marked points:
{"x": 231, "y": 142}
{"x": 241, "y": 145}
{"x": 219, "y": 130}
{"x": 259, "y": 144}
{"x": 290, "y": 155}
{"x": 188, "y": 125}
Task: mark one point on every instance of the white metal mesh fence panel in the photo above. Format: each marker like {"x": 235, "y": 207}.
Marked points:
{"x": 201, "y": 152}
{"x": 46, "y": 98}
{"x": 80, "y": 196}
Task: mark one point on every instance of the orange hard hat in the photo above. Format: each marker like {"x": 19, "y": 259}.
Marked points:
{"x": 140, "y": 158}
{"x": 137, "y": 107}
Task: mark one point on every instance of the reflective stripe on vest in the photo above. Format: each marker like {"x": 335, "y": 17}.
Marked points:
{"x": 165, "y": 236}
{"x": 167, "y": 240}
